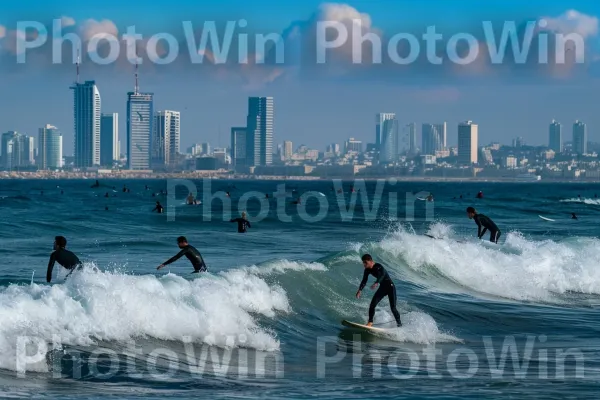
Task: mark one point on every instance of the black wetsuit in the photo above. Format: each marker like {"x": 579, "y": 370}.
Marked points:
{"x": 386, "y": 288}
{"x": 193, "y": 255}
{"x": 65, "y": 258}
{"x": 158, "y": 208}
{"x": 484, "y": 222}
{"x": 243, "y": 224}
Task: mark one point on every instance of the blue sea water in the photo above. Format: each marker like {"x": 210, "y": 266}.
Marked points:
{"x": 519, "y": 320}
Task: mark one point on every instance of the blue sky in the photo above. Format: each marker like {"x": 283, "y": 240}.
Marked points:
{"x": 314, "y": 105}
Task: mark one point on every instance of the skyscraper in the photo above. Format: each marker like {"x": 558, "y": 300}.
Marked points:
{"x": 259, "y": 140}
{"x": 87, "y": 113}
{"x": 410, "y": 133}
{"x": 109, "y": 139}
{"x": 380, "y": 121}
{"x": 467, "y": 143}
{"x": 555, "y": 141}
{"x": 580, "y": 137}
{"x": 288, "y": 149}
{"x": 238, "y": 147}
{"x": 140, "y": 127}
{"x": 387, "y": 137}
{"x": 166, "y": 139}
{"x": 50, "y": 148}
{"x": 433, "y": 138}
{"x": 17, "y": 150}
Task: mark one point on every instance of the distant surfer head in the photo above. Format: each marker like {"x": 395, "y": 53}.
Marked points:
{"x": 471, "y": 212}
{"x": 182, "y": 241}
{"x": 244, "y": 214}
{"x": 367, "y": 261}
{"x": 60, "y": 242}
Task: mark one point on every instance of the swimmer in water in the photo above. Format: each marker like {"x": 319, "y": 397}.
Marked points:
{"x": 158, "y": 208}
{"x": 243, "y": 223}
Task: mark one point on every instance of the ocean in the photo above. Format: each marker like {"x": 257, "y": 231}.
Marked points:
{"x": 517, "y": 320}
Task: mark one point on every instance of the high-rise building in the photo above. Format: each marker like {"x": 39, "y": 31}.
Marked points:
{"x": 238, "y": 147}
{"x": 555, "y": 141}
{"x": 140, "y": 125}
{"x": 387, "y": 137}
{"x": 353, "y": 145}
{"x": 467, "y": 143}
{"x": 195, "y": 150}
{"x": 49, "y": 148}
{"x": 17, "y": 150}
{"x": 259, "y": 140}
{"x": 410, "y": 135}
{"x": 87, "y": 114}
{"x": 109, "y": 139}
{"x": 380, "y": 128}
{"x": 205, "y": 149}
{"x": 580, "y": 137}
{"x": 433, "y": 138}
{"x": 518, "y": 142}
{"x": 166, "y": 139}
{"x": 288, "y": 150}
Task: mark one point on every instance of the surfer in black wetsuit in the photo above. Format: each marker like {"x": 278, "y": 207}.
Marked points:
{"x": 62, "y": 256}
{"x": 483, "y": 224}
{"x": 243, "y": 223}
{"x": 190, "y": 252}
{"x": 386, "y": 288}
{"x": 158, "y": 208}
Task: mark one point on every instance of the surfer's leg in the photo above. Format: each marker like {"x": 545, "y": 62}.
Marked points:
{"x": 392, "y": 298}
{"x": 379, "y": 295}
{"x": 494, "y": 236}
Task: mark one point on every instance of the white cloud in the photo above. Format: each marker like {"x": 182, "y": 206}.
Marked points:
{"x": 67, "y": 21}
{"x": 91, "y": 28}
{"x": 2, "y": 31}
{"x": 573, "y": 21}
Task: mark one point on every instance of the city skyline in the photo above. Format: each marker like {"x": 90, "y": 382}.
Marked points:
{"x": 340, "y": 105}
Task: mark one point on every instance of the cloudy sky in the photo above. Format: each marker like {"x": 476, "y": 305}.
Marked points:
{"x": 508, "y": 91}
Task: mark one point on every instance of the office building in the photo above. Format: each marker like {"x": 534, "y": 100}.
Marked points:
{"x": 387, "y": 137}
{"x": 259, "y": 124}
{"x": 433, "y": 138}
{"x": 238, "y": 147}
{"x": 109, "y": 139}
{"x": 50, "y": 151}
{"x": 555, "y": 140}
{"x": 580, "y": 137}
{"x": 87, "y": 115}
{"x": 467, "y": 143}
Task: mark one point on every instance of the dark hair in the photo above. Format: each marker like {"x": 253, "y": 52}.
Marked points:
{"x": 61, "y": 241}
{"x": 367, "y": 257}
{"x": 471, "y": 210}
{"x": 181, "y": 239}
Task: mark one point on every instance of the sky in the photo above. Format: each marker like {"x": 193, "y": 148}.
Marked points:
{"x": 507, "y": 92}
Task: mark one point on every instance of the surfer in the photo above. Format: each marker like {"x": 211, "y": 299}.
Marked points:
{"x": 190, "y": 199}
{"x": 386, "y": 287}
{"x": 480, "y": 195}
{"x": 486, "y": 223}
{"x": 190, "y": 252}
{"x": 573, "y": 216}
{"x": 430, "y": 197}
{"x": 243, "y": 223}
{"x": 158, "y": 208}
{"x": 62, "y": 256}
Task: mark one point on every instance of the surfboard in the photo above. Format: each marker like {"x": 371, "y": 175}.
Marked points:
{"x": 546, "y": 219}
{"x": 419, "y": 198}
{"x": 356, "y": 325}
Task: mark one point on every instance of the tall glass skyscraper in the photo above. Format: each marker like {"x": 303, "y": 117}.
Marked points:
{"x": 140, "y": 125}
{"x": 433, "y": 138}
{"x": 259, "y": 139}
{"x": 555, "y": 141}
{"x": 49, "y": 148}
{"x": 109, "y": 139}
{"x": 166, "y": 139}
{"x": 16, "y": 150}
{"x": 87, "y": 114}
{"x": 580, "y": 137}
{"x": 387, "y": 137}
{"x": 238, "y": 147}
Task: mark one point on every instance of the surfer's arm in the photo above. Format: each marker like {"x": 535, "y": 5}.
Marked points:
{"x": 175, "y": 257}
{"x": 50, "y": 267}
{"x": 248, "y": 222}
{"x": 364, "y": 280}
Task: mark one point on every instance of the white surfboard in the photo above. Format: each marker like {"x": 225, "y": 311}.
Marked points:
{"x": 356, "y": 325}
{"x": 546, "y": 219}
{"x": 422, "y": 199}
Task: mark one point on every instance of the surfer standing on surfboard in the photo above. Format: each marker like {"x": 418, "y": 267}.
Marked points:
{"x": 486, "y": 223}
{"x": 386, "y": 287}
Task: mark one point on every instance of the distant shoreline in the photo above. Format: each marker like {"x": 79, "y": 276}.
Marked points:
{"x": 205, "y": 175}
